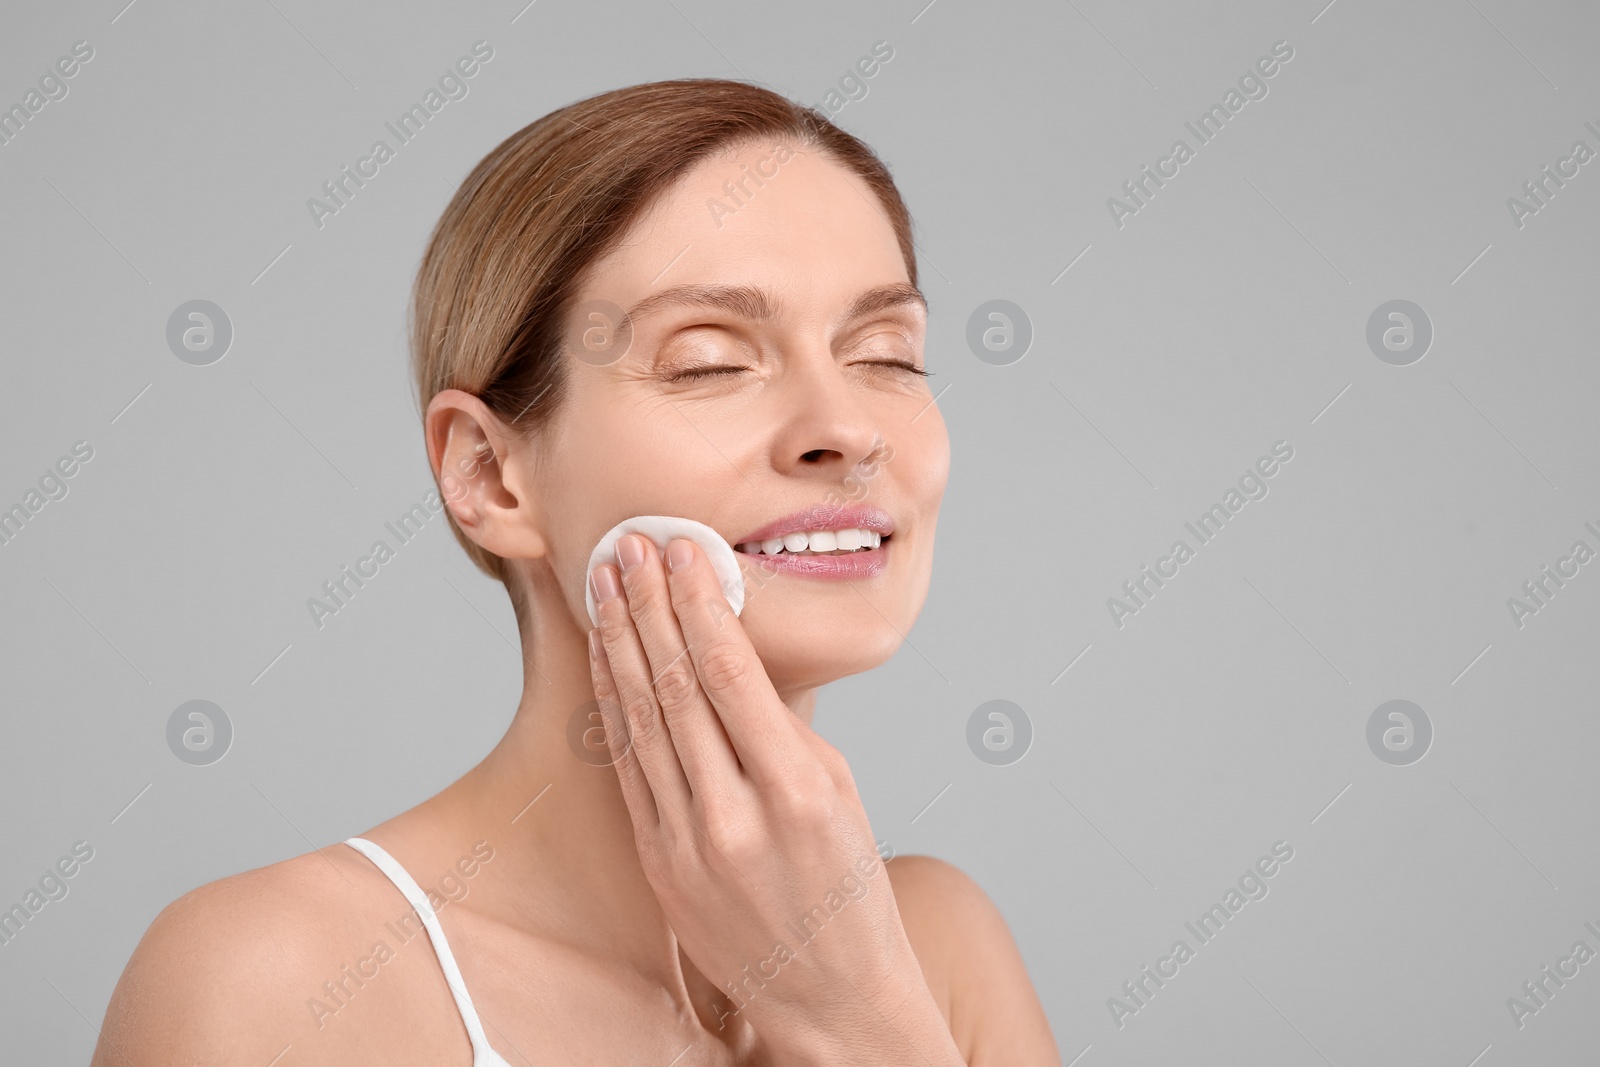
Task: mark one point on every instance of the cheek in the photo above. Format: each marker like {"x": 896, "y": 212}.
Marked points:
{"x": 926, "y": 459}
{"x": 575, "y": 522}
{"x": 943, "y": 466}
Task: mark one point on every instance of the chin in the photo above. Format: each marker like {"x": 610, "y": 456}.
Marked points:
{"x": 810, "y": 657}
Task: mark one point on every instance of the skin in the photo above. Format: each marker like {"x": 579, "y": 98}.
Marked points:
{"x": 618, "y": 899}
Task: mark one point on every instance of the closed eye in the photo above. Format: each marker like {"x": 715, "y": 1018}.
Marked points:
{"x": 708, "y": 372}
{"x": 912, "y": 367}
{"x": 704, "y": 372}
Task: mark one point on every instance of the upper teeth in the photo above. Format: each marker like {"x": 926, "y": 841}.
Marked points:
{"x": 851, "y": 540}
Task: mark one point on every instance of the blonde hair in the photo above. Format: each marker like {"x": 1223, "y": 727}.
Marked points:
{"x": 509, "y": 254}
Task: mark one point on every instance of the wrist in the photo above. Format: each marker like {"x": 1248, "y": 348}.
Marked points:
{"x": 897, "y": 1022}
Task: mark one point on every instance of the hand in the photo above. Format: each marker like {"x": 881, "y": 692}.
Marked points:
{"x": 748, "y": 824}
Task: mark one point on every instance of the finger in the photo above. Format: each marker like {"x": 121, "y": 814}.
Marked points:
{"x": 630, "y": 671}
{"x": 704, "y": 751}
{"x": 756, "y": 722}
{"x": 635, "y": 787}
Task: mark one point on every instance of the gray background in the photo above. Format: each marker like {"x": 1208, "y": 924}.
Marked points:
{"x": 1228, "y": 314}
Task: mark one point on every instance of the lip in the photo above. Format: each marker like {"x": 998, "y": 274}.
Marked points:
{"x": 825, "y": 517}
{"x": 863, "y": 563}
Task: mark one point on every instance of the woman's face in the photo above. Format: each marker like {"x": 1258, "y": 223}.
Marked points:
{"x": 796, "y": 405}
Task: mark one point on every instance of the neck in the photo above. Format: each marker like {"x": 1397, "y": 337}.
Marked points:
{"x": 566, "y": 868}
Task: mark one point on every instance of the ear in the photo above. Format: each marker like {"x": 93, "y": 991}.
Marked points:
{"x": 484, "y": 478}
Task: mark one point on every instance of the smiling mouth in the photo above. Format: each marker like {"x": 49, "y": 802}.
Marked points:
{"x": 844, "y": 542}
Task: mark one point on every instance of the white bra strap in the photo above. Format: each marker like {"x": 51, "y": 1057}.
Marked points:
{"x": 447, "y": 961}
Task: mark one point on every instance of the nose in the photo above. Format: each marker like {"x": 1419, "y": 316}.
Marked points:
{"x": 826, "y": 426}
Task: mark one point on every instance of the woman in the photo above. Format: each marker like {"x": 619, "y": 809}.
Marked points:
{"x": 688, "y": 298}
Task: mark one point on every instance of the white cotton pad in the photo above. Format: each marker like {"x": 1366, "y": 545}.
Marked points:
{"x": 661, "y": 529}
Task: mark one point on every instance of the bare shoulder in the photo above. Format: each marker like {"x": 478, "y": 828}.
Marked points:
{"x": 233, "y": 972}
{"x": 971, "y": 963}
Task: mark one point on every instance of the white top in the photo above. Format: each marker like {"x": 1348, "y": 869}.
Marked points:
{"x": 482, "y": 1054}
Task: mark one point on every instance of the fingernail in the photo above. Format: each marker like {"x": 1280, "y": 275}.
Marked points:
{"x": 679, "y": 553}
{"x": 630, "y": 553}
{"x": 604, "y": 581}
{"x": 597, "y": 645}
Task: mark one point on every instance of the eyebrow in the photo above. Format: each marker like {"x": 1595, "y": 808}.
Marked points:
{"x": 760, "y": 305}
